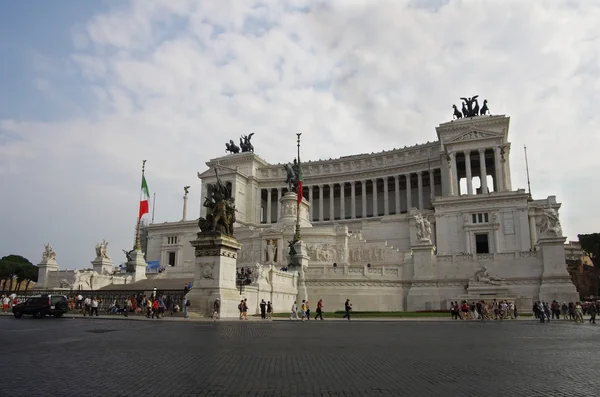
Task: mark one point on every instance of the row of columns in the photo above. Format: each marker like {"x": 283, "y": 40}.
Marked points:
{"x": 499, "y": 175}
{"x": 374, "y": 200}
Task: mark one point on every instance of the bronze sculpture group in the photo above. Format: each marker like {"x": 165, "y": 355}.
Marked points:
{"x": 470, "y": 108}
{"x": 292, "y": 176}
{"x": 220, "y": 209}
{"x": 245, "y": 145}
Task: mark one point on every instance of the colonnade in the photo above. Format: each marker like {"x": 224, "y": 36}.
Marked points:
{"x": 474, "y": 163}
{"x": 365, "y": 198}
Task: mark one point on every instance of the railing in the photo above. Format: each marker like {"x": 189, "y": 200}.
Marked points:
{"x": 487, "y": 257}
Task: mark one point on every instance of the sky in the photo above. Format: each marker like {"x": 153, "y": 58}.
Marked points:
{"x": 90, "y": 89}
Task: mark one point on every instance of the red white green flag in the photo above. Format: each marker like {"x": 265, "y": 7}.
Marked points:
{"x": 144, "y": 208}
{"x": 299, "y": 181}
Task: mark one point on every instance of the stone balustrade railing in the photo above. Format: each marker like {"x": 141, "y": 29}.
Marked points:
{"x": 487, "y": 257}
{"x": 330, "y": 271}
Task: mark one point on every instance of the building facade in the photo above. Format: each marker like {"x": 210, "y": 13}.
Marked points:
{"x": 360, "y": 230}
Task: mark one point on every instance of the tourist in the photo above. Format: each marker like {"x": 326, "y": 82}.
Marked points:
{"x": 245, "y": 309}
{"x": 578, "y": 312}
{"x": 79, "y": 304}
{"x": 126, "y": 307}
{"x": 486, "y": 311}
{"x": 263, "y": 309}
{"x": 347, "y": 308}
{"x": 593, "y": 310}
{"x": 269, "y": 310}
{"x": 5, "y": 303}
{"x": 186, "y": 305}
{"x": 303, "y": 309}
{"x": 87, "y": 306}
{"x": 294, "y": 314}
{"x": 241, "y": 308}
{"x": 94, "y": 307}
{"x": 216, "y": 309}
{"x": 319, "y": 309}
{"x": 155, "y": 308}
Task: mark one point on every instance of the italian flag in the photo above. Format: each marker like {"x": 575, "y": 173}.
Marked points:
{"x": 144, "y": 209}
{"x": 299, "y": 182}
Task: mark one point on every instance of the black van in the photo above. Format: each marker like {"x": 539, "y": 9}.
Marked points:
{"x": 40, "y": 306}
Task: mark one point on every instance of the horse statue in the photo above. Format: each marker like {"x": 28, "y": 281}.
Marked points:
{"x": 231, "y": 147}
{"x": 457, "y": 113}
{"x": 245, "y": 143}
{"x": 484, "y": 109}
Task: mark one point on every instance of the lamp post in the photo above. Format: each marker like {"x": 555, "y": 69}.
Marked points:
{"x": 297, "y": 235}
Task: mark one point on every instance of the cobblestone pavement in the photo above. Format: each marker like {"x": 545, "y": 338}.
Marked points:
{"x": 98, "y": 357}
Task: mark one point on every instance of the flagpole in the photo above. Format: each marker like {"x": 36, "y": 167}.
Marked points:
{"x": 138, "y": 244}
{"x": 297, "y": 236}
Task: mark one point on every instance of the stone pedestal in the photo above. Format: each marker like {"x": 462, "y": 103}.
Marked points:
{"x": 300, "y": 260}
{"x": 424, "y": 293}
{"x": 214, "y": 275}
{"x": 45, "y": 267}
{"x": 139, "y": 264}
{"x": 289, "y": 205}
{"x": 103, "y": 265}
{"x": 556, "y": 283}
{"x": 486, "y": 291}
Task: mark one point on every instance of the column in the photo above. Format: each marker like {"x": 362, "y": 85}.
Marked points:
{"x": 408, "y": 193}
{"x": 310, "y": 200}
{"x": 420, "y": 188}
{"x": 469, "y": 174}
{"x": 397, "y": 196}
{"x": 532, "y": 231}
{"x": 375, "y": 209}
{"x": 320, "y": 203}
{"x": 342, "y": 201}
{"x": 431, "y": 187}
{"x": 353, "y": 200}
{"x": 386, "y": 197}
{"x": 278, "y": 203}
{"x": 498, "y": 177}
{"x": 331, "y": 204}
{"x": 363, "y": 183}
{"x": 268, "y": 206}
{"x": 454, "y": 173}
{"x": 483, "y": 171}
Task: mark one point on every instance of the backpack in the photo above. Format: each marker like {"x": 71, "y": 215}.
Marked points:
{"x": 187, "y": 303}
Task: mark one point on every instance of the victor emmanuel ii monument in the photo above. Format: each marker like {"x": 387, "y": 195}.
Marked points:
{"x": 403, "y": 229}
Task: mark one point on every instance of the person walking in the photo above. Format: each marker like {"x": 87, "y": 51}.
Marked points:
{"x": 347, "y": 308}
{"x": 319, "y": 309}
{"x": 186, "y": 305}
{"x": 94, "y": 307}
{"x": 216, "y": 310}
{"x": 263, "y": 309}
{"x": 294, "y": 314}
{"x": 269, "y": 310}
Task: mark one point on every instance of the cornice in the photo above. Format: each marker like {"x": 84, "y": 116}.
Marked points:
{"x": 480, "y": 200}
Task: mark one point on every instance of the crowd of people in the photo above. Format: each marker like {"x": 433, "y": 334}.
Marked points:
{"x": 481, "y": 310}
{"x": 545, "y": 311}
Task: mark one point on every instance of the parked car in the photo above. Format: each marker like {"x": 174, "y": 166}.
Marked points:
{"x": 42, "y": 305}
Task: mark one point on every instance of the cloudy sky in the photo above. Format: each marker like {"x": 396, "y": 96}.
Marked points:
{"x": 90, "y": 89}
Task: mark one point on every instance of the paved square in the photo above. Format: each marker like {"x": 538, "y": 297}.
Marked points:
{"x": 94, "y": 357}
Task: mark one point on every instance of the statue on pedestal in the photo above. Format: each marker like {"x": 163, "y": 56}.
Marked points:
{"x": 292, "y": 177}
{"x": 220, "y": 214}
{"x": 482, "y": 276}
{"x": 48, "y": 253}
{"x": 101, "y": 252}
{"x": 231, "y": 147}
{"x": 270, "y": 251}
{"x": 549, "y": 224}
{"x": 423, "y": 228}
{"x": 470, "y": 108}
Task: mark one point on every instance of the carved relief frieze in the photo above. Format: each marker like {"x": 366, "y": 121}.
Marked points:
{"x": 369, "y": 283}
{"x": 215, "y": 252}
{"x": 367, "y": 254}
{"x": 326, "y": 252}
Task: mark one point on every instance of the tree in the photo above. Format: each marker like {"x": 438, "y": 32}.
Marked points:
{"x": 590, "y": 244}
{"x": 16, "y": 265}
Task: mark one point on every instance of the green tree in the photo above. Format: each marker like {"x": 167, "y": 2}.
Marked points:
{"x": 590, "y": 244}
{"x": 16, "y": 265}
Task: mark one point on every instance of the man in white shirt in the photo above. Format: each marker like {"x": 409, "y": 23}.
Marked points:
{"x": 79, "y": 301}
